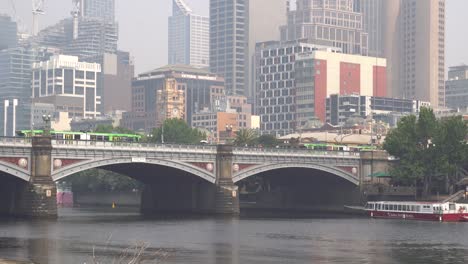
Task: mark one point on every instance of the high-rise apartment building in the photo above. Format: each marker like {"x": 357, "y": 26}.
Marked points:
{"x": 188, "y": 36}
{"x": 456, "y": 88}
{"x": 95, "y": 37}
{"x": 294, "y": 79}
{"x": 332, "y": 23}
{"x": 8, "y": 32}
{"x": 422, "y": 53}
{"x": 70, "y": 85}
{"x": 373, "y": 23}
{"x": 15, "y": 83}
{"x": 265, "y": 18}
{"x": 228, "y": 35}
{"x": 101, "y": 9}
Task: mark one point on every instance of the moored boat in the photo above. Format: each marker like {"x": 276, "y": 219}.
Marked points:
{"x": 443, "y": 212}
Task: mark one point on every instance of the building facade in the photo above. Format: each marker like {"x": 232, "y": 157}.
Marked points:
{"x": 294, "y": 79}
{"x": 200, "y": 86}
{"x": 8, "y": 32}
{"x": 456, "y": 88}
{"x": 70, "y": 85}
{"x": 262, "y": 30}
{"x": 340, "y": 108}
{"x": 101, "y": 9}
{"x": 321, "y": 73}
{"x": 171, "y": 102}
{"x": 15, "y": 83}
{"x": 373, "y": 23}
{"x": 228, "y": 43}
{"x": 332, "y": 23}
{"x": 188, "y": 36}
{"x": 422, "y": 54}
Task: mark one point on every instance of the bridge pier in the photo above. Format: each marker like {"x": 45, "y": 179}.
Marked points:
{"x": 37, "y": 198}
{"x": 227, "y": 193}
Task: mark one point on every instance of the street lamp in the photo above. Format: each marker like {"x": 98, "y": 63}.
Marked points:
{"x": 46, "y": 119}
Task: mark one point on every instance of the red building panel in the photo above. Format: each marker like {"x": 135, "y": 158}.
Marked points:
{"x": 320, "y": 89}
{"x": 380, "y": 81}
{"x": 350, "y": 78}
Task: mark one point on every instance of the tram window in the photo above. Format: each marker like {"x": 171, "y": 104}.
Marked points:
{"x": 69, "y": 137}
{"x": 106, "y": 138}
{"x": 59, "y": 136}
{"x": 76, "y": 137}
{"x": 99, "y": 138}
{"x": 93, "y": 137}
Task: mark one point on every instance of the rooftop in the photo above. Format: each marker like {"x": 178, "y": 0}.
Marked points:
{"x": 187, "y": 69}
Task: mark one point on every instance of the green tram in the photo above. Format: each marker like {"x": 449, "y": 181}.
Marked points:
{"x": 87, "y": 136}
{"x": 337, "y": 147}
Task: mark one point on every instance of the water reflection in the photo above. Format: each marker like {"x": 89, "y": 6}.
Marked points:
{"x": 73, "y": 236}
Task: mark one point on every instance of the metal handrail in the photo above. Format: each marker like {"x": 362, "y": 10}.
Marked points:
{"x": 298, "y": 151}
{"x": 130, "y": 145}
{"x": 15, "y": 141}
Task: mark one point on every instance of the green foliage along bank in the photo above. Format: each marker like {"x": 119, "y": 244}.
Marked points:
{"x": 430, "y": 151}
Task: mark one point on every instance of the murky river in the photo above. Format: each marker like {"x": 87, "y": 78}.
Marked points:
{"x": 111, "y": 233}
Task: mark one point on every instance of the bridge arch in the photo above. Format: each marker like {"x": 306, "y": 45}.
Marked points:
{"x": 270, "y": 167}
{"x": 13, "y": 170}
{"x": 86, "y": 165}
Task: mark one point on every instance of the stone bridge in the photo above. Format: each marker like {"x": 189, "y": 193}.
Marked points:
{"x": 215, "y": 172}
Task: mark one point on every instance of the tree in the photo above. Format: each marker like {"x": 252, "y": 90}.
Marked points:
{"x": 95, "y": 180}
{"x": 245, "y": 137}
{"x": 450, "y": 145}
{"x": 111, "y": 129}
{"x": 428, "y": 149}
{"x": 269, "y": 141}
{"x": 177, "y": 131}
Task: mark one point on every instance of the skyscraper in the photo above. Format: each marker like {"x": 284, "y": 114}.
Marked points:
{"x": 422, "y": 51}
{"x": 228, "y": 34}
{"x": 8, "y": 32}
{"x": 95, "y": 37}
{"x": 261, "y": 29}
{"x": 188, "y": 36}
{"x": 15, "y": 83}
{"x": 327, "y": 22}
{"x": 373, "y": 22}
{"x": 102, "y": 9}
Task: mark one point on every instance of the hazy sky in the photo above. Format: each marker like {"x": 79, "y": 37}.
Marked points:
{"x": 143, "y": 26}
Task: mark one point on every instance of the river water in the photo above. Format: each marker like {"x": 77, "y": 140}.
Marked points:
{"x": 72, "y": 238}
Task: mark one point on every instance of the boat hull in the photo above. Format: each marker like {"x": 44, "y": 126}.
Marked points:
{"x": 454, "y": 217}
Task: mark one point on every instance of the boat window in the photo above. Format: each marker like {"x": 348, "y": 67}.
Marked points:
{"x": 418, "y": 208}
{"x": 405, "y": 207}
{"x": 412, "y": 208}
{"x": 451, "y": 207}
{"x": 399, "y": 207}
{"x": 386, "y": 207}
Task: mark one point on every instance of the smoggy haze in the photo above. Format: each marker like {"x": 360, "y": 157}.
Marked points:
{"x": 143, "y": 26}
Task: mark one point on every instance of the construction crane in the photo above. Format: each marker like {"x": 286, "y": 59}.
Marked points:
{"x": 76, "y": 12}
{"x": 37, "y": 9}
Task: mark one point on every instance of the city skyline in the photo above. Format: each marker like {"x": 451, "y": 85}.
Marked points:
{"x": 150, "y": 50}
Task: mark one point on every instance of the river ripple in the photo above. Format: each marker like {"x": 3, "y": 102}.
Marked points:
{"x": 72, "y": 238}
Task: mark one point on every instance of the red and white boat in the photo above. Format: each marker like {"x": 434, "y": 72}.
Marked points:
{"x": 443, "y": 212}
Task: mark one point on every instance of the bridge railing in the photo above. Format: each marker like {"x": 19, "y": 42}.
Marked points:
{"x": 15, "y": 141}
{"x": 128, "y": 145}
{"x": 285, "y": 151}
